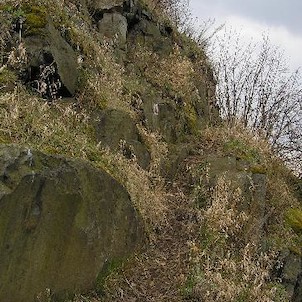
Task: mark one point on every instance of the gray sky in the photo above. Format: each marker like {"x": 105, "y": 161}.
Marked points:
{"x": 280, "y": 19}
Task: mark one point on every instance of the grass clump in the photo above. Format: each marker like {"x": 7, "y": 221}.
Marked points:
{"x": 35, "y": 18}
{"x": 7, "y": 77}
{"x": 229, "y": 264}
{"x": 241, "y": 150}
{"x": 294, "y": 219}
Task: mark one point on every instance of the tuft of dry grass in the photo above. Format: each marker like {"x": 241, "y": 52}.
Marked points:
{"x": 147, "y": 191}
{"x": 215, "y": 138}
{"x": 28, "y": 120}
{"x": 158, "y": 149}
{"x": 172, "y": 74}
{"x": 229, "y": 264}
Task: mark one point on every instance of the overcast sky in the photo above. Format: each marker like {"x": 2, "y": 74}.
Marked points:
{"x": 280, "y": 19}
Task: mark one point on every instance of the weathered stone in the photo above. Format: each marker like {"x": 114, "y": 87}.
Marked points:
{"x": 298, "y": 289}
{"x": 291, "y": 275}
{"x": 106, "y": 4}
{"x": 61, "y": 221}
{"x": 147, "y": 32}
{"x": 117, "y": 130}
{"x": 51, "y": 50}
{"x": 114, "y": 26}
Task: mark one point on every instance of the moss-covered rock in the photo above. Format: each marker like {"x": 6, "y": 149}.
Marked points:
{"x": 61, "y": 221}
{"x": 294, "y": 219}
{"x": 118, "y": 131}
{"x": 51, "y": 60}
{"x": 35, "y": 19}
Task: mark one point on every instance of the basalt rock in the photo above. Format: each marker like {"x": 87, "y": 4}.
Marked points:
{"x": 118, "y": 131}
{"x": 114, "y": 26}
{"x": 61, "y": 222}
{"x": 52, "y": 64}
{"x": 105, "y": 4}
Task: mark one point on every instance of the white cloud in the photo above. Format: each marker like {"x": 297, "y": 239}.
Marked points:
{"x": 279, "y": 36}
{"x": 235, "y": 15}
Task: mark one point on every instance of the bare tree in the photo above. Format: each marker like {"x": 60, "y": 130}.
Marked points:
{"x": 256, "y": 88}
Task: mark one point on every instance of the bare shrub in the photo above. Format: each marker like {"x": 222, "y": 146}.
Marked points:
{"x": 256, "y": 88}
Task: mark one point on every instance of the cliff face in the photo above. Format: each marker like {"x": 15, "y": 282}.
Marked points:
{"x": 117, "y": 175}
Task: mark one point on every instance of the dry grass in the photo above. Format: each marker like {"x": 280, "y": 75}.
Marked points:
{"x": 159, "y": 273}
{"x": 28, "y": 120}
{"x": 230, "y": 265}
{"x": 195, "y": 254}
{"x": 172, "y": 74}
{"x": 158, "y": 149}
{"x": 215, "y": 138}
{"x": 64, "y": 129}
{"x": 147, "y": 192}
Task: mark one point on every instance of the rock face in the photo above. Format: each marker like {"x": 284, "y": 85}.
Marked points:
{"x": 61, "y": 222}
{"x": 118, "y": 131}
{"x": 291, "y": 275}
{"x": 114, "y": 26}
{"x": 106, "y": 4}
{"x": 52, "y": 63}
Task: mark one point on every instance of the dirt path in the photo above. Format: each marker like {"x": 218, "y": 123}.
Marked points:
{"x": 160, "y": 273}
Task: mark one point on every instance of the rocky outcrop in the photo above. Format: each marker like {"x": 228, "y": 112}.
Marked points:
{"x": 52, "y": 68}
{"x": 114, "y": 26}
{"x": 61, "y": 222}
{"x": 291, "y": 275}
{"x": 105, "y": 4}
{"x": 116, "y": 129}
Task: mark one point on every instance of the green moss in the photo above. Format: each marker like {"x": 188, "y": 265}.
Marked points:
{"x": 296, "y": 249}
{"x": 5, "y": 138}
{"x": 188, "y": 288}
{"x": 109, "y": 267}
{"x": 258, "y": 169}
{"x": 35, "y": 19}
{"x": 244, "y": 295}
{"x": 14, "y": 11}
{"x": 7, "y": 77}
{"x": 281, "y": 293}
{"x": 242, "y": 151}
{"x": 34, "y": 16}
{"x": 191, "y": 118}
{"x": 294, "y": 219}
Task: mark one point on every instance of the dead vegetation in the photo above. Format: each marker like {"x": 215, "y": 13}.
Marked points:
{"x": 193, "y": 253}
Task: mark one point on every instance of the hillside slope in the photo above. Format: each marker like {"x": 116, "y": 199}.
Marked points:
{"x": 119, "y": 181}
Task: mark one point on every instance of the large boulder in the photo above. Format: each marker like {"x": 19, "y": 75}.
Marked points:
{"x": 61, "y": 222}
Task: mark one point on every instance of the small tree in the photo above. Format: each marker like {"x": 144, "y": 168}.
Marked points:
{"x": 256, "y": 88}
